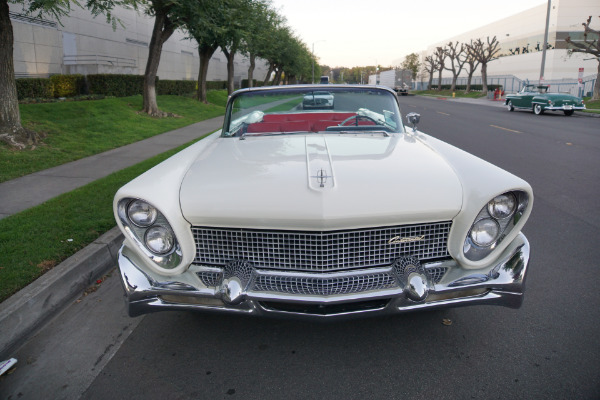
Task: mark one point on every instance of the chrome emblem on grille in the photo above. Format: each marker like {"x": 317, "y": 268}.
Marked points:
{"x": 409, "y": 239}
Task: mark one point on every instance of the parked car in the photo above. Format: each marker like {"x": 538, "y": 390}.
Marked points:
{"x": 318, "y": 99}
{"x": 321, "y": 214}
{"x": 538, "y": 100}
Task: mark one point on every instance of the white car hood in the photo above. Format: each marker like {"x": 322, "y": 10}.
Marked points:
{"x": 319, "y": 182}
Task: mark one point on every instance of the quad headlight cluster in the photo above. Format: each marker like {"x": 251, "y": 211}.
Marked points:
{"x": 151, "y": 230}
{"x": 493, "y": 223}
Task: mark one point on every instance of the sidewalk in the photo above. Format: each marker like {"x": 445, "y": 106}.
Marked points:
{"x": 27, "y": 311}
{"x": 31, "y": 190}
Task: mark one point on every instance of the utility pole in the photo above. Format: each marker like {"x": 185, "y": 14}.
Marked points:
{"x": 545, "y": 43}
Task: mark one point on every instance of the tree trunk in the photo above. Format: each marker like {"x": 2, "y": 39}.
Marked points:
{"x": 277, "y": 78}
{"x": 469, "y": 78}
{"x": 160, "y": 33}
{"x": 251, "y": 70}
{"x": 267, "y": 78}
{"x": 230, "y": 68}
{"x": 596, "y": 95}
{"x": 205, "y": 53}
{"x": 454, "y": 78}
{"x": 430, "y": 80}
{"x": 484, "y": 78}
{"x": 440, "y": 79}
{"x": 11, "y": 130}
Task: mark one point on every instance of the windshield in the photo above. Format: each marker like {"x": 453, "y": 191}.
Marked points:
{"x": 310, "y": 109}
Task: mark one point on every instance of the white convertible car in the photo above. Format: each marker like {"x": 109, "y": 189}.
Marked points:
{"x": 321, "y": 214}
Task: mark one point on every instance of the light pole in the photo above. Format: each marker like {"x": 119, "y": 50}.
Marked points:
{"x": 313, "y": 53}
{"x": 545, "y": 43}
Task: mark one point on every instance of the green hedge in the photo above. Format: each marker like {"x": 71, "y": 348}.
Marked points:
{"x": 115, "y": 84}
{"x": 35, "y": 88}
{"x": 68, "y": 85}
{"x": 177, "y": 88}
{"x": 216, "y": 85}
{"x": 103, "y": 84}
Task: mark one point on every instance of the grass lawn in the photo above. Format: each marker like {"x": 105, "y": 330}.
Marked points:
{"x": 592, "y": 106}
{"x": 37, "y": 239}
{"x": 78, "y": 129}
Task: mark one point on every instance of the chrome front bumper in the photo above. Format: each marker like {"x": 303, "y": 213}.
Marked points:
{"x": 499, "y": 284}
{"x": 563, "y": 108}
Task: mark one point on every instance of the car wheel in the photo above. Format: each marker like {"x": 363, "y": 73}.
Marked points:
{"x": 510, "y": 106}
{"x": 568, "y": 113}
{"x": 537, "y": 109}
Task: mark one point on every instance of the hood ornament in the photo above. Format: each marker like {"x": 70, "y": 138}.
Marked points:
{"x": 321, "y": 177}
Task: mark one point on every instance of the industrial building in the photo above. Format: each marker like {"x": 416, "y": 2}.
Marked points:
{"x": 80, "y": 43}
{"x": 521, "y": 39}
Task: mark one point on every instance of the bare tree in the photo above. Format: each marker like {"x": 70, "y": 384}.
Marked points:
{"x": 430, "y": 66}
{"x": 590, "y": 45}
{"x": 440, "y": 59}
{"x": 484, "y": 53}
{"x": 472, "y": 62}
{"x": 457, "y": 54}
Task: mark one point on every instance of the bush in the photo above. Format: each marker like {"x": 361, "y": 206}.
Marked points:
{"x": 216, "y": 85}
{"x": 177, "y": 88}
{"x": 34, "y": 88}
{"x": 68, "y": 85}
{"x": 116, "y": 85}
{"x": 474, "y": 88}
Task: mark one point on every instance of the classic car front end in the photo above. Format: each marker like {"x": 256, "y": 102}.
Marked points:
{"x": 538, "y": 100}
{"x": 321, "y": 214}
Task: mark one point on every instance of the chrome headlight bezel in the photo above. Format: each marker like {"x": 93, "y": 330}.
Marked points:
{"x": 506, "y": 221}
{"x": 172, "y": 255}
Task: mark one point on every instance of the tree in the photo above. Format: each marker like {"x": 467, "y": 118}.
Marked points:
{"x": 233, "y": 32}
{"x": 411, "y": 62}
{"x": 484, "y": 53}
{"x": 472, "y": 62}
{"x": 168, "y": 16}
{"x": 590, "y": 45}
{"x": 262, "y": 22}
{"x": 11, "y": 129}
{"x": 430, "y": 66}
{"x": 458, "y": 57}
{"x": 203, "y": 21}
{"x": 440, "y": 59}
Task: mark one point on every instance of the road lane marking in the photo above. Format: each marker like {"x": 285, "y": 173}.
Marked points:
{"x": 439, "y": 112}
{"x": 505, "y": 129}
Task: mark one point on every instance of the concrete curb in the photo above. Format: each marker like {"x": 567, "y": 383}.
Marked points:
{"x": 22, "y": 314}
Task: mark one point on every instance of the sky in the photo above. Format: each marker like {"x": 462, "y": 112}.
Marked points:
{"x": 348, "y": 33}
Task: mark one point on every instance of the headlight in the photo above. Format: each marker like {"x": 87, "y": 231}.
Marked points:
{"x": 151, "y": 231}
{"x": 159, "y": 239}
{"x": 503, "y": 206}
{"x": 493, "y": 223}
{"x": 141, "y": 213}
{"x": 485, "y": 232}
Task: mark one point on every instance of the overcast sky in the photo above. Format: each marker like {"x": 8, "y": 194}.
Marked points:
{"x": 352, "y": 33}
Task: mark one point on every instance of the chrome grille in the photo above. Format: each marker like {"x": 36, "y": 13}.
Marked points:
{"x": 319, "y": 251}
{"x": 324, "y": 286}
{"x": 210, "y": 278}
{"x": 436, "y": 273}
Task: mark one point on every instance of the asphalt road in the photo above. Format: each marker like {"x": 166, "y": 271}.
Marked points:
{"x": 547, "y": 349}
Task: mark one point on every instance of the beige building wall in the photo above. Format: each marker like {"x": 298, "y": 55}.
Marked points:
{"x": 521, "y": 38}
{"x": 83, "y": 44}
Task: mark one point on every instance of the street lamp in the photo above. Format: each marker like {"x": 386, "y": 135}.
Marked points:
{"x": 313, "y": 53}
{"x": 545, "y": 43}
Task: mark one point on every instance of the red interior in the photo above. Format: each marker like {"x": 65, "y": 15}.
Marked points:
{"x": 306, "y": 122}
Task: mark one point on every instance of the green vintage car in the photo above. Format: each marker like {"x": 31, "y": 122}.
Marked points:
{"x": 537, "y": 99}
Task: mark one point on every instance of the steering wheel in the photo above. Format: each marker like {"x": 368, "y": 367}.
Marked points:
{"x": 356, "y": 118}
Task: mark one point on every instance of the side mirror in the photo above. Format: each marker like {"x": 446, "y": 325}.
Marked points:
{"x": 413, "y": 119}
